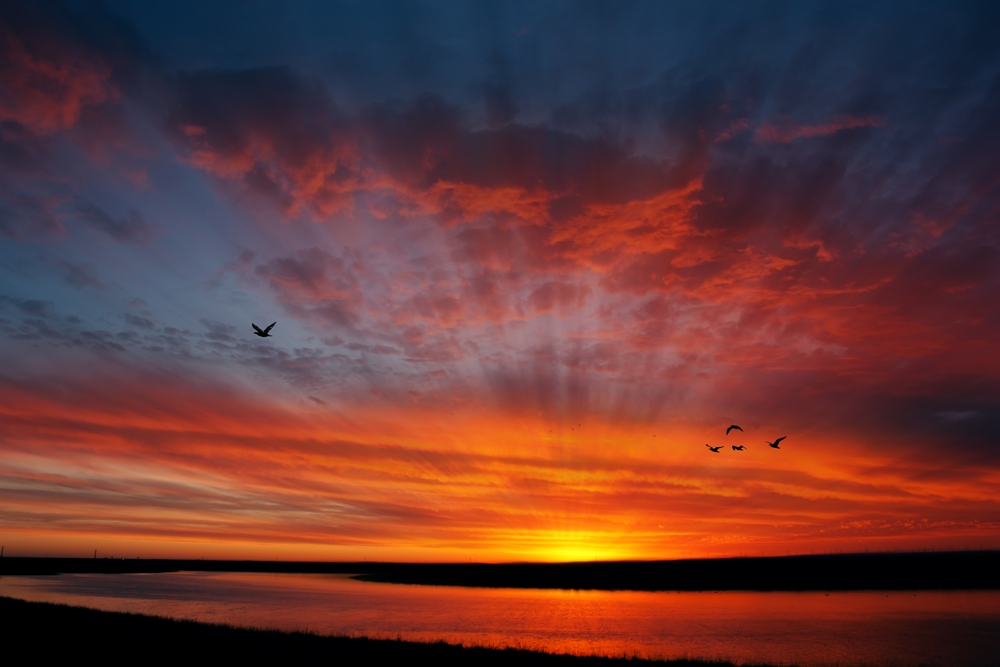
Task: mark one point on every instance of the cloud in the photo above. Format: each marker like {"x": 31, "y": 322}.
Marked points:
{"x": 555, "y": 295}
{"x": 424, "y": 144}
{"x": 788, "y": 130}
{"x": 282, "y": 137}
{"x": 80, "y": 275}
{"x": 315, "y": 283}
{"x": 34, "y": 306}
{"x": 497, "y": 92}
{"x": 502, "y": 270}
{"x": 23, "y": 216}
{"x": 46, "y": 93}
{"x": 131, "y": 228}
{"x": 748, "y": 258}
{"x": 201, "y": 454}
{"x": 137, "y": 321}
{"x": 718, "y": 238}
{"x": 58, "y": 63}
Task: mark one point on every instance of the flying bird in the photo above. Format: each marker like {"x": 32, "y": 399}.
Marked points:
{"x": 263, "y": 333}
{"x": 732, "y": 427}
{"x": 714, "y": 449}
{"x": 739, "y": 449}
{"x": 775, "y": 443}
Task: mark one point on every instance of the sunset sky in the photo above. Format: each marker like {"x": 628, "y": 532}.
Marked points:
{"x": 525, "y": 258}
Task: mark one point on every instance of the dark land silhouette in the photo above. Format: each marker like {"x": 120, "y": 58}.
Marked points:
{"x": 971, "y": 570}
{"x": 48, "y": 632}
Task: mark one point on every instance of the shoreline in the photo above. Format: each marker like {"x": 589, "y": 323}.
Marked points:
{"x": 960, "y": 570}
{"x": 48, "y": 631}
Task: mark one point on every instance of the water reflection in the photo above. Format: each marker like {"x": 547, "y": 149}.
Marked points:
{"x": 945, "y": 628}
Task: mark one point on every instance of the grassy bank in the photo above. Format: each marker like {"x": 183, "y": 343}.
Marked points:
{"x": 42, "y": 632}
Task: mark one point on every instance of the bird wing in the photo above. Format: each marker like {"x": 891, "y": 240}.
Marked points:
{"x": 269, "y": 327}
{"x": 256, "y": 328}
{"x": 780, "y": 439}
{"x": 737, "y": 427}
{"x": 728, "y": 430}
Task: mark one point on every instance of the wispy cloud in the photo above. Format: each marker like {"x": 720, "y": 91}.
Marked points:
{"x": 789, "y": 130}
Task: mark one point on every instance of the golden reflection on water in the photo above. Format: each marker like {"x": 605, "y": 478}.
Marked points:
{"x": 947, "y": 628}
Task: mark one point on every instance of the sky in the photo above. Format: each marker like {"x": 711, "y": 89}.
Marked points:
{"x": 525, "y": 260}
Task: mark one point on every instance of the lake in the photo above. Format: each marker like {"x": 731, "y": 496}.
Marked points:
{"x": 898, "y": 628}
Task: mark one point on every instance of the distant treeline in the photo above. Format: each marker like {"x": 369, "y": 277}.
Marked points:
{"x": 842, "y": 572}
{"x": 43, "y": 633}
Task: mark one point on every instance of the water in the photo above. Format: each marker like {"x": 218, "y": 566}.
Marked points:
{"x": 901, "y": 628}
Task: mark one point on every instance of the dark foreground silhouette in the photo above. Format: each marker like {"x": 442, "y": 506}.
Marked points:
{"x": 50, "y": 632}
{"x": 972, "y": 570}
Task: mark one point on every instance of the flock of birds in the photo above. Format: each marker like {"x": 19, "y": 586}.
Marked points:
{"x": 266, "y": 333}
{"x": 740, "y": 448}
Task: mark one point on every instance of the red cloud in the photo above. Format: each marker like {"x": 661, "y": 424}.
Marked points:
{"x": 555, "y": 295}
{"x": 789, "y": 130}
{"x": 681, "y": 265}
{"x": 57, "y": 65}
{"x": 46, "y": 91}
{"x": 280, "y": 137}
{"x": 565, "y": 294}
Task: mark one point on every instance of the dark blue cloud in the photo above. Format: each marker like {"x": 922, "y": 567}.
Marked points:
{"x": 80, "y": 275}
{"x": 23, "y": 216}
{"x": 131, "y": 228}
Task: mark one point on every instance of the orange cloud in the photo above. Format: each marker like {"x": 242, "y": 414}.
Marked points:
{"x": 454, "y": 202}
{"x": 209, "y": 471}
{"x": 604, "y": 232}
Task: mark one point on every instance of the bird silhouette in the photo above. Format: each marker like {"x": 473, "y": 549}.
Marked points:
{"x": 263, "y": 333}
{"x": 732, "y": 427}
{"x": 775, "y": 443}
{"x": 739, "y": 449}
{"x": 714, "y": 449}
